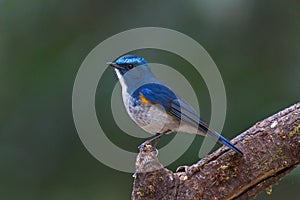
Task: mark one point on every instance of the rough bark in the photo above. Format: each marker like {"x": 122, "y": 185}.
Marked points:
{"x": 271, "y": 150}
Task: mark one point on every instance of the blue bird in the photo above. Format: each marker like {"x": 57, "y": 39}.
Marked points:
{"x": 154, "y": 106}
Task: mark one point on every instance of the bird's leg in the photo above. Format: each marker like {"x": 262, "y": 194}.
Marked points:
{"x": 156, "y": 138}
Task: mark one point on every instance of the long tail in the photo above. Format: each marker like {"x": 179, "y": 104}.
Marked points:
{"x": 184, "y": 112}
{"x": 219, "y": 138}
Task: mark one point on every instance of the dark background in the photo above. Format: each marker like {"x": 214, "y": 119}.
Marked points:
{"x": 255, "y": 45}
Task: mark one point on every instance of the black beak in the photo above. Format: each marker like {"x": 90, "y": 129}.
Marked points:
{"x": 114, "y": 65}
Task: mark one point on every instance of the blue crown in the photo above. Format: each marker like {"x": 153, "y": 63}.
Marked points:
{"x": 131, "y": 59}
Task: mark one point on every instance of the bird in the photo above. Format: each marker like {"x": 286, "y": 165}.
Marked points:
{"x": 155, "y": 107}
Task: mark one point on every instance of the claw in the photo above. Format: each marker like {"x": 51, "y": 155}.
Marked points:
{"x": 142, "y": 147}
{"x": 156, "y": 138}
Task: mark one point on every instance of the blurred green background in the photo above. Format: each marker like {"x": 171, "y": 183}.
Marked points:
{"x": 255, "y": 44}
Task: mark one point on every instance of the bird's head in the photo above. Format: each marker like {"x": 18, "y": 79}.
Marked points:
{"x": 132, "y": 70}
{"x": 127, "y": 63}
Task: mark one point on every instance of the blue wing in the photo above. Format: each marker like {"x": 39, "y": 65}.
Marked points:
{"x": 162, "y": 95}
{"x": 172, "y": 104}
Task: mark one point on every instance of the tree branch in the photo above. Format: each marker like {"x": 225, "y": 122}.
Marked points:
{"x": 271, "y": 150}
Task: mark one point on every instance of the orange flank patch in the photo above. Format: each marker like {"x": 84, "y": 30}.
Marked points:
{"x": 144, "y": 99}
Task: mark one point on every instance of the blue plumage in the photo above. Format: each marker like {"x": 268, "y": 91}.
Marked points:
{"x": 131, "y": 59}
{"x": 154, "y": 106}
{"x": 158, "y": 94}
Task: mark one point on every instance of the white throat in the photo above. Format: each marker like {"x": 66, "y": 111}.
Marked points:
{"x": 135, "y": 78}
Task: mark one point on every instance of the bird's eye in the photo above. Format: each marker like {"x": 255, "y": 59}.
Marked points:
{"x": 130, "y": 66}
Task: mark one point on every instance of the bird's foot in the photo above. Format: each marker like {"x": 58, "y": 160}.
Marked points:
{"x": 147, "y": 146}
{"x": 142, "y": 147}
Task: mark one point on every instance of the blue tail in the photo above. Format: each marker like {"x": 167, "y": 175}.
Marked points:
{"x": 219, "y": 138}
